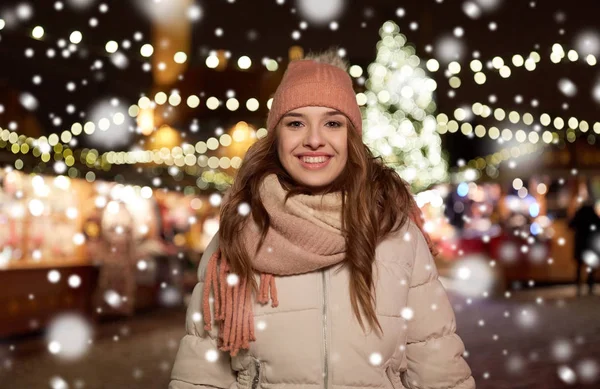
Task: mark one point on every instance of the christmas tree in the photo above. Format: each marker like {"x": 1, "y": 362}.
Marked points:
{"x": 398, "y": 116}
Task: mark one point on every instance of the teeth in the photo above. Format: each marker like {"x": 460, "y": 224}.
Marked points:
{"x": 314, "y": 159}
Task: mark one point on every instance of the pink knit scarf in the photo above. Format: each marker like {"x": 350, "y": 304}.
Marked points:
{"x": 305, "y": 235}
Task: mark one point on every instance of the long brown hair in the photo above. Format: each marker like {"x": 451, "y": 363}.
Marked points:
{"x": 375, "y": 202}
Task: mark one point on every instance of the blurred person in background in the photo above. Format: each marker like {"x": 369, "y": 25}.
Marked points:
{"x": 586, "y": 225}
{"x": 335, "y": 239}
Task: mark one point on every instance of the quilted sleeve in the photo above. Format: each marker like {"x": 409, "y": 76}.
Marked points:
{"x": 434, "y": 352}
{"x": 199, "y": 364}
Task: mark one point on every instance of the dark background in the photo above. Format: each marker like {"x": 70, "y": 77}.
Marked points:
{"x": 262, "y": 28}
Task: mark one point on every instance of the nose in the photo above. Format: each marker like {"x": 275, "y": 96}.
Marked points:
{"x": 313, "y": 138}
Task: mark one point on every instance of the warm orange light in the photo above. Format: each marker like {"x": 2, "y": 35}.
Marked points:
{"x": 165, "y": 136}
{"x": 221, "y": 55}
{"x": 295, "y": 52}
{"x": 243, "y": 136}
{"x": 241, "y": 132}
{"x": 170, "y": 36}
{"x": 145, "y": 120}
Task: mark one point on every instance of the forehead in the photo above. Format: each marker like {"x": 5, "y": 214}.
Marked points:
{"x": 313, "y": 111}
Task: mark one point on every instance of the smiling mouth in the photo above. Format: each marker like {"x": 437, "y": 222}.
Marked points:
{"x": 314, "y": 163}
{"x": 314, "y": 160}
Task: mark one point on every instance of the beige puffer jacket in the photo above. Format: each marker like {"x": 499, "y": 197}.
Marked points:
{"x": 313, "y": 340}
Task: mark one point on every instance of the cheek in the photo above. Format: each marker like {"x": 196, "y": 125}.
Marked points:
{"x": 342, "y": 147}
{"x": 285, "y": 149}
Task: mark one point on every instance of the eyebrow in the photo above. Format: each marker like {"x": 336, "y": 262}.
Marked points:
{"x": 299, "y": 115}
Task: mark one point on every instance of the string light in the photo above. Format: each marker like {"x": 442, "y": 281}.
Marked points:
{"x": 527, "y": 118}
{"x": 184, "y": 157}
{"x": 46, "y": 149}
{"x": 443, "y": 125}
{"x": 212, "y": 61}
{"x": 501, "y": 65}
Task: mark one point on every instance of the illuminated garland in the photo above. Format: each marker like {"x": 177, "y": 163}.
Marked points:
{"x": 445, "y": 125}
{"x": 67, "y": 159}
{"x": 527, "y": 118}
{"x": 500, "y": 64}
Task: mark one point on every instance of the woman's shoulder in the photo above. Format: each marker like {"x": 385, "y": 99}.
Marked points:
{"x": 402, "y": 241}
{"x": 405, "y": 232}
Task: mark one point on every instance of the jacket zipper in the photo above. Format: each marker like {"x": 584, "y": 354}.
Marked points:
{"x": 256, "y": 378}
{"x": 325, "y": 367}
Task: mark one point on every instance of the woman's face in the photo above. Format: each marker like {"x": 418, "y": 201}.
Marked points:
{"x": 312, "y": 145}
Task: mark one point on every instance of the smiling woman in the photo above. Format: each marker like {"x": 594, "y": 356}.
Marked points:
{"x": 342, "y": 235}
{"x": 313, "y": 145}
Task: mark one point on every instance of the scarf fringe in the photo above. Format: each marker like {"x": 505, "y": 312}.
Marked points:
{"x": 233, "y": 304}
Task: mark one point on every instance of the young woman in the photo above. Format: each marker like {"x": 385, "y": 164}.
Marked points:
{"x": 334, "y": 238}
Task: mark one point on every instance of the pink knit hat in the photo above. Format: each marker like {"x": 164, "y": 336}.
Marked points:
{"x": 309, "y": 83}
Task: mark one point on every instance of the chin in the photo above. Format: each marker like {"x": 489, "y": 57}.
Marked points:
{"x": 316, "y": 184}
{"x": 314, "y": 180}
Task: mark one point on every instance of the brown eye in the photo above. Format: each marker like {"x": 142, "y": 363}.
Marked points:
{"x": 294, "y": 124}
{"x": 334, "y": 124}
